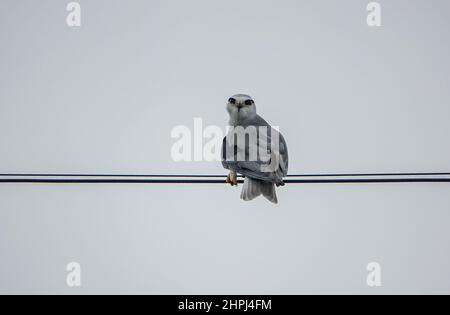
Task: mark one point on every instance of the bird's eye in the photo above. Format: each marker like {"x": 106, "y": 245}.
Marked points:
{"x": 232, "y": 101}
{"x": 249, "y": 102}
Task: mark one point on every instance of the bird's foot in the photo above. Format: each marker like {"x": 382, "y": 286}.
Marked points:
{"x": 232, "y": 179}
{"x": 279, "y": 183}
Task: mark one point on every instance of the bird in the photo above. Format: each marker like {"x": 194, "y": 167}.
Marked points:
{"x": 269, "y": 151}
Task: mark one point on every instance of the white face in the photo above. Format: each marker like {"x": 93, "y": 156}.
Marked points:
{"x": 241, "y": 106}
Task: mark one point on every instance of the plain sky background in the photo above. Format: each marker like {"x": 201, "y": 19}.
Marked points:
{"x": 104, "y": 98}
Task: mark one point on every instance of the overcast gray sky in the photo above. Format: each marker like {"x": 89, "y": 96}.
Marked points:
{"x": 104, "y": 98}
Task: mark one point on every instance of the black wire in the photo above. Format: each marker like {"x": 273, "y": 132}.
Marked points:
{"x": 218, "y": 179}
{"x": 220, "y": 176}
{"x": 157, "y": 181}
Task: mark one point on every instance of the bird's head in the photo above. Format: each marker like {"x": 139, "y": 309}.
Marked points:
{"x": 241, "y": 107}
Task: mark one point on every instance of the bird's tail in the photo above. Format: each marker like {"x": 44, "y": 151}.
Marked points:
{"x": 255, "y": 187}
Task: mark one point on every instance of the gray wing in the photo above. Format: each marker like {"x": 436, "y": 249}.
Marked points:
{"x": 254, "y": 169}
{"x": 284, "y": 154}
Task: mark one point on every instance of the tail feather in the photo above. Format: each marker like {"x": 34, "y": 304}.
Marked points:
{"x": 255, "y": 187}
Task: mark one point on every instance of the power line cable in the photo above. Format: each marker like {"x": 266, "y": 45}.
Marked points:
{"x": 374, "y": 178}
